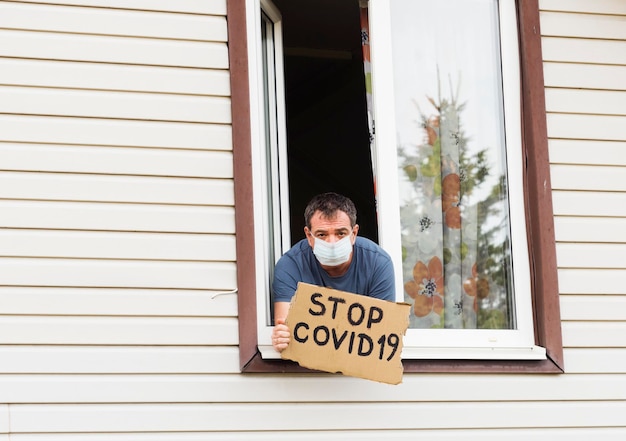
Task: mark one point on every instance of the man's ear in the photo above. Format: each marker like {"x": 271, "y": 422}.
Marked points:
{"x": 309, "y": 236}
{"x": 355, "y": 230}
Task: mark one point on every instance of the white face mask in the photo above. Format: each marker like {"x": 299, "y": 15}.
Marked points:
{"x": 333, "y": 254}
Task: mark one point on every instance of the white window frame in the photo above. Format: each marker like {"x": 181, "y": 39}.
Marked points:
{"x": 268, "y": 132}
{"x": 516, "y": 344}
{"x": 455, "y": 343}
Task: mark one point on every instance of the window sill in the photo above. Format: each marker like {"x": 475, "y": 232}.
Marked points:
{"x": 421, "y": 353}
{"x": 546, "y": 365}
{"x": 414, "y": 353}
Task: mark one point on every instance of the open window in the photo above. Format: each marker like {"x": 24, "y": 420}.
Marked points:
{"x": 444, "y": 185}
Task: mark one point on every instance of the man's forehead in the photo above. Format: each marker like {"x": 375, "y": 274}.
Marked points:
{"x": 337, "y": 220}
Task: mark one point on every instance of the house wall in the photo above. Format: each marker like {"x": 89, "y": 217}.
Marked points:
{"x": 117, "y": 243}
{"x": 584, "y": 51}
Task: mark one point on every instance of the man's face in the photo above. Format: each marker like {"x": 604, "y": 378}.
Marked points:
{"x": 330, "y": 229}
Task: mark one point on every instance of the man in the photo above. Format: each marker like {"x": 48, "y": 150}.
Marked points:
{"x": 331, "y": 255}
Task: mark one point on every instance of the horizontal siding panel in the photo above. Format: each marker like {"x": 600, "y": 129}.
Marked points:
{"x": 593, "y": 127}
{"x": 77, "y": 20}
{"x": 588, "y": 203}
{"x": 576, "y": 25}
{"x": 594, "y": 334}
{"x": 118, "y": 330}
{"x": 600, "y": 102}
{"x": 109, "y": 245}
{"x": 117, "y": 273}
{"x": 595, "y": 361}
{"x": 116, "y": 160}
{"x": 594, "y": 7}
{"x": 101, "y": 188}
{"x": 269, "y": 390}
{"x": 592, "y": 281}
{"x": 517, "y": 434}
{"x": 577, "y": 50}
{"x": 584, "y": 76}
{"x": 117, "y": 105}
{"x": 569, "y": 151}
{"x": 607, "y": 256}
{"x": 216, "y": 7}
{"x": 88, "y": 131}
{"x": 593, "y": 307}
{"x": 588, "y": 177}
{"x": 74, "y": 75}
{"x": 108, "y": 49}
{"x": 120, "y": 217}
{"x": 330, "y": 416}
{"x": 589, "y": 229}
{"x": 118, "y": 360}
{"x": 117, "y": 302}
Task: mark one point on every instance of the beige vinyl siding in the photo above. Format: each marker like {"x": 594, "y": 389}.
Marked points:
{"x": 578, "y": 434}
{"x": 117, "y": 244}
{"x": 209, "y": 7}
{"x": 99, "y": 48}
{"x": 167, "y": 390}
{"x": 608, "y": 7}
{"x": 104, "y": 104}
{"x": 336, "y": 416}
{"x": 73, "y": 75}
{"x": 584, "y": 44}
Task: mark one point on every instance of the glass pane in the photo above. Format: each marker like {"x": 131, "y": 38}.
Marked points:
{"x": 269, "y": 113}
{"x": 451, "y": 153}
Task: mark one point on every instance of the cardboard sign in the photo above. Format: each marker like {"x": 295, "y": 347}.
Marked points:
{"x": 336, "y": 331}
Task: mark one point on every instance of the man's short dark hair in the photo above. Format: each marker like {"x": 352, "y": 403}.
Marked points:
{"x": 329, "y": 204}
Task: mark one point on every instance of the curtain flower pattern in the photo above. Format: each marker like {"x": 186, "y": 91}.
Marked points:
{"x": 440, "y": 228}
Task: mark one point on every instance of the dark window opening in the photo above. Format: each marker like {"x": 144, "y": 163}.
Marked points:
{"x": 327, "y": 130}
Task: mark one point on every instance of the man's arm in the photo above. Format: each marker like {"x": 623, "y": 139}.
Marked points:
{"x": 280, "y": 311}
{"x": 280, "y": 333}
{"x": 383, "y": 281}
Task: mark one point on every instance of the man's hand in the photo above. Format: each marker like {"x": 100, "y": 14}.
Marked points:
{"x": 280, "y": 335}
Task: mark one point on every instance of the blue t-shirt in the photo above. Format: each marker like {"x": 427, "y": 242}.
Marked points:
{"x": 370, "y": 272}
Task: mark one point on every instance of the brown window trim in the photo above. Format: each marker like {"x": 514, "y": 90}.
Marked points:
{"x": 539, "y": 212}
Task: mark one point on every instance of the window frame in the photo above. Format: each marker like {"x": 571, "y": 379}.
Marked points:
{"x": 272, "y": 231}
{"x": 537, "y": 195}
{"x": 516, "y": 343}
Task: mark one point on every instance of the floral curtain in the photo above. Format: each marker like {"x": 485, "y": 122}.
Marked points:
{"x": 439, "y": 226}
